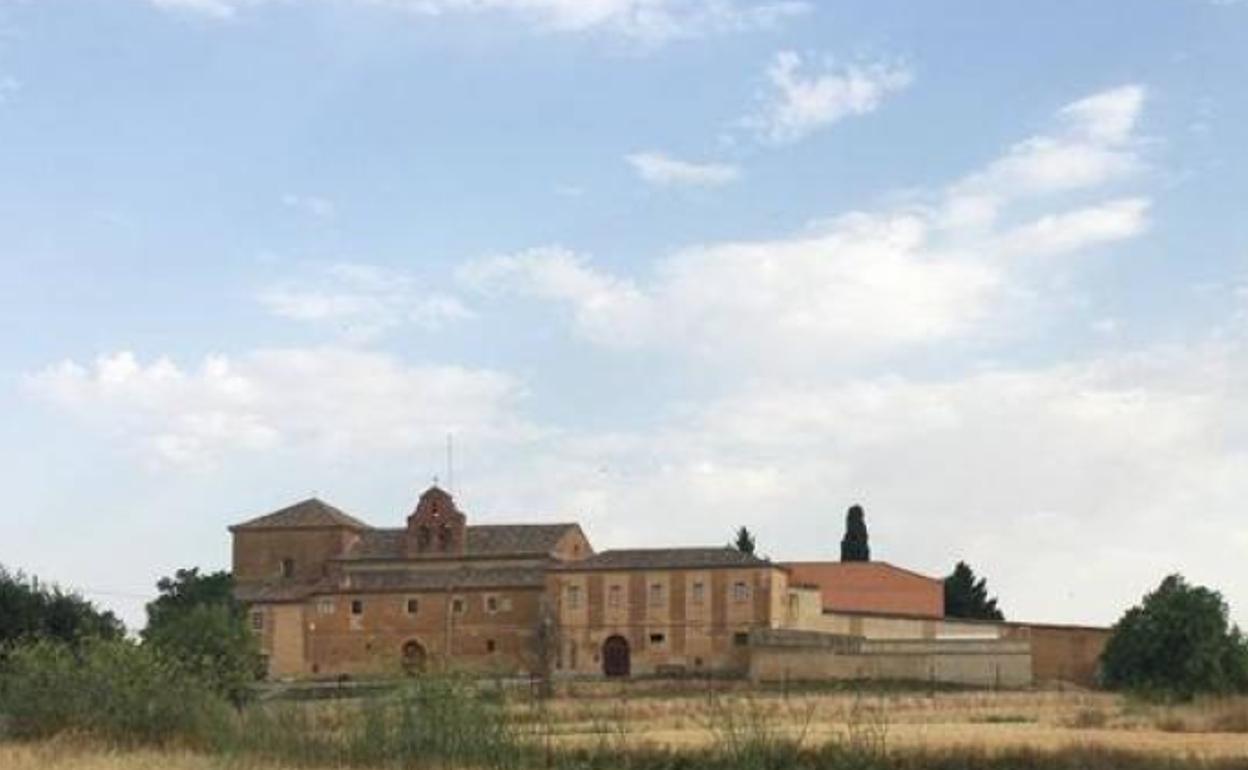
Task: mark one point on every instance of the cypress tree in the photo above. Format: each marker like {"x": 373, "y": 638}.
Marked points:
{"x": 854, "y": 545}
{"x": 745, "y": 541}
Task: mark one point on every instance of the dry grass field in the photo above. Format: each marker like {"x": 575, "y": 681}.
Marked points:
{"x": 628, "y": 720}
{"x": 985, "y": 721}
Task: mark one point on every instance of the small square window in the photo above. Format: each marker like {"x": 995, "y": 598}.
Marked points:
{"x": 657, "y": 638}
{"x": 457, "y": 606}
{"x": 491, "y": 604}
{"x": 490, "y": 645}
{"x": 288, "y": 568}
{"x": 740, "y": 591}
{"x": 257, "y": 620}
{"x": 699, "y": 592}
{"x": 357, "y": 607}
{"x": 741, "y": 639}
{"x": 413, "y": 606}
{"x": 325, "y": 607}
{"x": 656, "y": 594}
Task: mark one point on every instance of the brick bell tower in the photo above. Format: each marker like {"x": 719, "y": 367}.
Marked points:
{"x": 436, "y": 526}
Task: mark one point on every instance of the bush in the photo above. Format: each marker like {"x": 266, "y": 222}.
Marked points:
{"x": 214, "y": 644}
{"x": 443, "y": 719}
{"x": 1176, "y": 644}
{"x": 107, "y": 689}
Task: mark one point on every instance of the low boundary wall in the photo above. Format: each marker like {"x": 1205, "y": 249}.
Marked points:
{"x": 778, "y": 655}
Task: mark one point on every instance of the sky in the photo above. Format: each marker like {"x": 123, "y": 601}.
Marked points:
{"x": 661, "y": 267}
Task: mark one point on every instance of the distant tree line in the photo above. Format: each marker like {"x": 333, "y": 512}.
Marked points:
{"x": 194, "y": 621}
{"x": 30, "y": 609}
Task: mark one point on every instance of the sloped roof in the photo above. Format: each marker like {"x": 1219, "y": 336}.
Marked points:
{"x": 307, "y": 513}
{"x": 482, "y": 540}
{"x": 444, "y": 580}
{"x": 667, "y": 558}
{"x": 278, "y": 590}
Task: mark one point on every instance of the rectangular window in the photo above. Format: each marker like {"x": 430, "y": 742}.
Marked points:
{"x": 457, "y": 606}
{"x": 741, "y": 639}
{"x": 615, "y": 596}
{"x": 574, "y": 597}
{"x": 257, "y": 620}
{"x": 288, "y": 568}
{"x": 325, "y": 607}
{"x": 357, "y": 607}
{"x": 490, "y": 646}
{"x": 656, "y": 594}
{"x": 740, "y": 591}
{"x": 699, "y": 592}
{"x": 657, "y": 638}
{"x": 413, "y": 606}
{"x": 491, "y": 604}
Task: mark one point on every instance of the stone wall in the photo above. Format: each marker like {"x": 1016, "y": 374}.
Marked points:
{"x": 1063, "y": 654}
{"x": 806, "y": 657}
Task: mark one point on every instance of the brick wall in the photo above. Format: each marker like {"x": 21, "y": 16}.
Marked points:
{"x": 672, "y": 619}
{"x": 871, "y": 587}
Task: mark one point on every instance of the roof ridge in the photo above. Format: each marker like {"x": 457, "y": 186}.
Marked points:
{"x": 321, "y": 513}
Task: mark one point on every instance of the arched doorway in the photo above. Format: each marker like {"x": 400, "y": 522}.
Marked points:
{"x": 414, "y": 657}
{"x": 616, "y": 659}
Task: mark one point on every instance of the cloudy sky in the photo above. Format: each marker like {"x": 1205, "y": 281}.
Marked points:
{"x": 664, "y": 267}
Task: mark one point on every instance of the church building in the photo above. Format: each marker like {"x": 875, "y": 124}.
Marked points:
{"x": 330, "y": 596}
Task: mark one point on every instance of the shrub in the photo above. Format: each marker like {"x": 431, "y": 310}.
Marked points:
{"x": 1176, "y": 644}
{"x": 108, "y": 689}
{"x": 428, "y": 719}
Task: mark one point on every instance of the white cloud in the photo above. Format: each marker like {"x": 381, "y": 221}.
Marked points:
{"x": 363, "y": 301}
{"x": 329, "y": 400}
{"x": 1108, "y": 117}
{"x": 1114, "y": 220}
{"x": 217, "y": 9}
{"x": 312, "y": 205}
{"x": 608, "y": 310}
{"x": 648, "y": 21}
{"x": 1094, "y": 462}
{"x": 660, "y": 169}
{"x": 864, "y": 285}
{"x": 803, "y": 103}
{"x": 1095, "y": 145}
{"x": 8, "y": 86}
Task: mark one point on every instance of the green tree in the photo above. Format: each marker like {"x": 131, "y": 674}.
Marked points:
{"x": 745, "y": 541}
{"x": 1176, "y": 643}
{"x": 188, "y": 589}
{"x": 197, "y": 621}
{"x": 854, "y": 546}
{"x": 967, "y": 596}
{"x": 30, "y": 610}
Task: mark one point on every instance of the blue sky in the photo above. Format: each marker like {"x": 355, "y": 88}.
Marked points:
{"x": 662, "y": 266}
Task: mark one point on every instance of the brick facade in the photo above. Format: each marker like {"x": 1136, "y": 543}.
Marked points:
{"x": 331, "y": 596}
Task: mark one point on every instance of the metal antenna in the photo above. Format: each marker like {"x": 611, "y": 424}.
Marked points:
{"x": 450, "y": 463}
